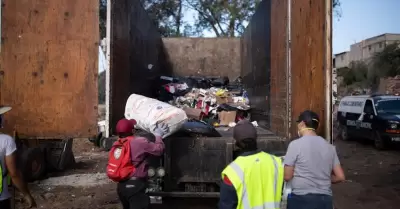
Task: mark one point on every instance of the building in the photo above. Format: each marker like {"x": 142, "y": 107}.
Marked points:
{"x": 364, "y": 50}
{"x": 341, "y": 60}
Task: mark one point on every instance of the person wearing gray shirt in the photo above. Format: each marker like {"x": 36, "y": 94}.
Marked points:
{"x": 311, "y": 166}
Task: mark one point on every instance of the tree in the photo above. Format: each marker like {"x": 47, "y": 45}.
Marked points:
{"x": 336, "y": 8}
{"x": 167, "y": 16}
{"x": 385, "y": 64}
{"x": 356, "y": 73}
{"x": 102, "y": 18}
{"x": 225, "y": 18}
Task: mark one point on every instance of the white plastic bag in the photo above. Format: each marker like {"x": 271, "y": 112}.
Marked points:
{"x": 148, "y": 112}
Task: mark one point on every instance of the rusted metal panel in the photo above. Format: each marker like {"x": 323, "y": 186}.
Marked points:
{"x": 256, "y": 63}
{"x": 204, "y": 56}
{"x": 308, "y": 57}
{"x": 279, "y": 71}
{"x": 49, "y": 67}
{"x": 135, "y": 43}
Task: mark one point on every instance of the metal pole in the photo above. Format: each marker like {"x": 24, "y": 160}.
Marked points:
{"x": 289, "y": 70}
{"x": 108, "y": 75}
{"x": 328, "y": 70}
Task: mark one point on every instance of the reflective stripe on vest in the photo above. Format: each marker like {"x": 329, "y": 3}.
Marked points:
{"x": 238, "y": 178}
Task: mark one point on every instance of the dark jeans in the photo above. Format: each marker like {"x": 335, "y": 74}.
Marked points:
{"x": 310, "y": 201}
{"x": 132, "y": 194}
{"x": 5, "y": 204}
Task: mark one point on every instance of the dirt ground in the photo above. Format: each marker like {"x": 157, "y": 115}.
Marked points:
{"x": 373, "y": 181}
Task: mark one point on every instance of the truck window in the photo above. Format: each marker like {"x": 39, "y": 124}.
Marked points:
{"x": 368, "y": 108}
{"x": 388, "y": 106}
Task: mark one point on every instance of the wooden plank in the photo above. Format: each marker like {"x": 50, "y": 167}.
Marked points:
{"x": 49, "y": 67}
{"x": 135, "y": 43}
{"x": 308, "y": 57}
{"x": 279, "y": 87}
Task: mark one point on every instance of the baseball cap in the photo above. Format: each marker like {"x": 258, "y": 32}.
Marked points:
{"x": 244, "y": 130}
{"x": 125, "y": 126}
{"x": 308, "y": 116}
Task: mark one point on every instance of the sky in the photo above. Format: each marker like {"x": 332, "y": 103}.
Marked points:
{"x": 362, "y": 19}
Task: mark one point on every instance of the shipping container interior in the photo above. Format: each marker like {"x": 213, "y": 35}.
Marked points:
{"x": 278, "y": 89}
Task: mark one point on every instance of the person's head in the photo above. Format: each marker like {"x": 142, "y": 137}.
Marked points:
{"x": 307, "y": 123}
{"x": 125, "y": 128}
{"x": 3, "y": 109}
{"x": 245, "y": 135}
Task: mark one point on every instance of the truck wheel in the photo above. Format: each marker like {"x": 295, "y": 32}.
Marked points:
{"x": 380, "y": 142}
{"x": 33, "y": 164}
{"x": 344, "y": 134}
{"x": 107, "y": 143}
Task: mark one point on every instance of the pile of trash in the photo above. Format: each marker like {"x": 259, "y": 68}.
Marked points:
{"x": 213, "y": 100}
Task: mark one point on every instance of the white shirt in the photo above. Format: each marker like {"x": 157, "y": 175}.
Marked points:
{"x": 7, "y": 147}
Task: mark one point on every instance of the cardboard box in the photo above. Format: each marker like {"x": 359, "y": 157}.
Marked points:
{"x": 192, "y": 113}
{"x": 224, "y": 99}
{"x": 226, "y": 117}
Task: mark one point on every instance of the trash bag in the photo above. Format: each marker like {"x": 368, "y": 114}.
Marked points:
{"x": 199, "y": 128}
{"x": 220, "y": 82}
{"x": 226, "y": 107}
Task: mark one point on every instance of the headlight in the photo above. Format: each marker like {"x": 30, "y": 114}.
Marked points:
{"x": 160, "y": 172}
{"x": 393, "y": 124}
{"x": 151, "y": 172}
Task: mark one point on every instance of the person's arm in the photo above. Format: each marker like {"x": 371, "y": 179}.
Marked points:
{"x": 337, "y": 170}
{"x": 154, "y": 148}
{"x": 290, "y": 161}
{"x": 228, "y": 197}
{"x": 15, "y": 174}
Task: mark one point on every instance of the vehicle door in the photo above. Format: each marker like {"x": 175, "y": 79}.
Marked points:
{"x": 368, "y": 116}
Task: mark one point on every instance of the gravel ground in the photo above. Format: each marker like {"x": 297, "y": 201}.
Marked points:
{"x": 373, "y": 182}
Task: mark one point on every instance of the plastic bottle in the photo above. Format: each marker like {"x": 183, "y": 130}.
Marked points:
{"x": 287, "y": 191}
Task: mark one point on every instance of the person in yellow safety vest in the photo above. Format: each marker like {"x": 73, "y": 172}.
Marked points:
{"x": 311, "y": 166}
{"x": 254, "y": 180}
{"x": 8, "y": 168}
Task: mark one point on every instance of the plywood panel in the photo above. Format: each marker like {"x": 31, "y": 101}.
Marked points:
{"x": 279, "y": 75}
{"x": 308, "y": 59}
{"x": 135, "y": 43}
{"x": 256, "y": 63}
{"x": 49, "y": 67}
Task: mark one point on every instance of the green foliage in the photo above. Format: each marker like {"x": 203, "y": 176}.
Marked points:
{"x": 224, "y": 18}
{"x": 102, "y": 17}
{"x": 167, "y": 15}
{"x": 356, "y": 73}
{"x": 387, "y": 62}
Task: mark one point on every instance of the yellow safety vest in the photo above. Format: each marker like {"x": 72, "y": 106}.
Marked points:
{"x": 258, "y": 180}
{"x": 2, "y": 176}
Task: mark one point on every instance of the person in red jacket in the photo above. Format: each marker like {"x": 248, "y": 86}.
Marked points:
{"x": 132, "y": 192}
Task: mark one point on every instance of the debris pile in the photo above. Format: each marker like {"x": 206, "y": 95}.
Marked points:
{"x": 213, "y": 100}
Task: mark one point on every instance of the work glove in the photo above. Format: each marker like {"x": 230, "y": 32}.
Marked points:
{"x": 161, "y": 129}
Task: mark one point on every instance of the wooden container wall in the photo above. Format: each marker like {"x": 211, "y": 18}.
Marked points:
{"x": 135, "y": 43}
{"x": 308, "y": 57}
{"x": 295, "y": 87}
{"x": 49, "y": 67}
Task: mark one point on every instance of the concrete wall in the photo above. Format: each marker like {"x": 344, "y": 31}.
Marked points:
{"x": 204, "y": 56}
{"x": 135, "y": 43}
{"x": 342, "y": 60}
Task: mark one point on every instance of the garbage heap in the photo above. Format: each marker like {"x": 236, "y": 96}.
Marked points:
{"x": 212, "y": 100}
